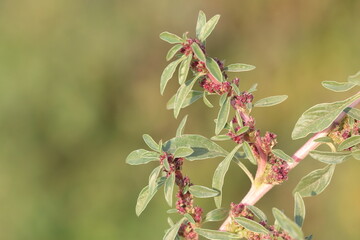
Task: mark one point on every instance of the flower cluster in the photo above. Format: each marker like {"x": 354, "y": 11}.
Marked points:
{"x": 239, "y": 102}
{"x": 276, "y": 170}
{"x": 347, "y": 128}
{"x": 186, "y": 49}
{"x": 216, "y": 87}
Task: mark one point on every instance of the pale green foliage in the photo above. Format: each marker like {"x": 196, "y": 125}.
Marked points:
{"x": 203, "y": 192}
{"x": 289, "y": 226}
{"x": 251, "y": 225}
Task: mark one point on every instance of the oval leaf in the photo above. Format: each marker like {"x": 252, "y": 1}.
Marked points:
{"x": 257, "y": 212}
{"x": 206, "y": 101}
{"x": 350, "y": 142}
{"x": 213, "y": 67}
{"x": 315, "y": 182}
{"x": 171, "y": 38}
{"x": 168, "y": 73}
{"x": 251, "y": 225}
{"x": 169, "y": 188}
{"x": 200, "y": 23}
{"x": 220, "y": 172}
{"x": 223, "y": 116}
{"x": 220, "y": 138}
{"x": 214, "y": 234}
{"x": 239, "y": 67}
{"x": 249, "y": 154}
{"x": 289, "y": 226}
{"x": 203, "y": 192}
{"x": 330, "y": 157}
{"x": 217, "y": 215}
{"x": 270, "y": 101}
{"x": 319, "y": 117}
{"x": 183, "y": 152}
{"x": 208, "y": 28}
{"x": 299, "y": 209}
{"x": 182, "y": 94}
{"x": 337, "y": 86}
{"x": 180, "y": 129}
{"x": 145, "y": 196}
{"x": 184, "y": 69}
{"x": 280, "y": 154}
{"x": 198, "y": 52}
{"x": 141, "y": 156}
{"x": 171, "y": 53}
{"x": 172, "y": 232}
{"x": 153, "y": 177}
{"x": 150, "y": 142}
{"x": 192, "y": 97}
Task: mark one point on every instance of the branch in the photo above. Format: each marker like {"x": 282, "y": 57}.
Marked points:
{"x": 257, "y": 192}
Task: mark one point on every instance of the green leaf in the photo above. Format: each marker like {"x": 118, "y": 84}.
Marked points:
{"x": 171, "y": 53}
{"x": 257, "y": 212}
{"x": 350, "y": 142}
{"x": 216, "y": 215}
{"x": 169, "y": 188}
{"x": 353, "y": 112}
{"x": 315, "y": 182}
{"x": 239, "y": 67}
{"x": 170, "y": 211}
{"x": 171, "y": 38}
{"x": 251, "y": 225}
{"x": 203, "y": 147}
{"x": 168, "y": 73}
{"x": 324, "y": 140}
{"x": 184, "y": 69}
{"x": 299, "y": 209}
{"x": 198, "y": 52}
{"x": 172, "y": 232}
{"x": 289, "y": 226}
{"x": 242, "y": 130}
{"x": 222, "y": 116}
{"x": 141, "y": 156}
{"x": 203, "y": 192}
{"x": 200, "y": 23}
{"x": 192, "y": 97}
{"x": 330, "y": 157}
{"x": 150, "y": 142}
{"x": 153, "y": 177}
{"x": 355, "y": 79}
{"x": 270, "y": 101}
{"x": 180, "y": 129}
{"x": 145, "y": 196}
{"x": 170, "y": 222}
{"x": 280, "y": 154}
{"x": 220, "y": 172}
{"x": 206, "y": 101}
{"x": 182, "y": 93}
{"x": 214, "y": 69}
{"x": 208, "y": 28}
{"x": 220, "y": 138}
{"x": 183, "y": 152}
{"x": 215, "y": 234}
{"x": 253, "y": 88}
{"x": 319, "y": 117}
{"x": 356, "y": 154}
{"x": 166, "y": 165}
{"x": 337, "y": 86}
{"x": 249, "y": 153}
{"x": 189, "y": 218}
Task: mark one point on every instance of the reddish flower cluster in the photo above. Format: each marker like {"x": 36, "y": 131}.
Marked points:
{"x": 345, "y": 130}
{"x": 175, "y": 164}
{"x": 268, "y": 142}
{"x": 240, "y": 101}
{"x": 277, "y": 170}
{"x": 240, "y": 210}
{"x": 186, "y": 49}
{"x": 240, "y": 138}
{"x": 216, "y": 87}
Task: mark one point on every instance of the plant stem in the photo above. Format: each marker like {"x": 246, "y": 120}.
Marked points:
{"x": 257, "y": 192}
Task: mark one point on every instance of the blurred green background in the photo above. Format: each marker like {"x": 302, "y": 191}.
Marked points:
{"x": 79, "y": 85}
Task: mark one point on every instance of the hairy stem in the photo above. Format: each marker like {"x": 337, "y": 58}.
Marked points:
{"x": 256, "y": 192}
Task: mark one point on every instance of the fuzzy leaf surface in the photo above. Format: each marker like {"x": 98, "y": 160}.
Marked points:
{"x": 168, "y": 73}
{"x": 200, "y": 23}
{"x": 239, "y": 67}
{"x": 172, "y": 52}
{"x": 289, "y": 226}
{"x": 213, "y": 67}
{"x": 171, "y": 38}
{"x": 299, "y": 209}
{"x": 349, "y": 142}
{"x": 251, "y": 225}
{"x": 150, "y": 142}
{"x": 169, "y": 188}
{"x": 183, "y": 152}
{"x": 215, "y": 234}
{"x": 248, "y": 152}
{"x": 216, "y": 215}
{"x": 353, "y": 112}
{"x": 181, "y": 127}
{"x": 203, "y": 192}
{"x": 257, "y": 212}
{"x": 337, "y": 86}
{"x": 182, "y": 94}
{"x": 330, "y": 157}
{"x": 223, "y": 116}
{"x": 208, "y": 28}
{"x": 280, "y": 154}
{"x": 172, "y": 232}
{"x": 355, "y": 78}
{"x": 184, "y": 69}
{"x": 141, "y": 156}
{"x": 198, "y": 52}
{"x": 192, "y": 97}
{"x": 270, "y": 101}
{"x": 145, "y": 196}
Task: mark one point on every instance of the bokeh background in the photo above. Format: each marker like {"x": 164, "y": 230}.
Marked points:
{"x": 79, "y": 85}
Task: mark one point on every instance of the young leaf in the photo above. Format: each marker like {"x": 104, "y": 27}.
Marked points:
{"x": 208, "y": 28}
{"x": 180, "y": 129}
{"x": 324, "y": 140}
{"x": 222, "y": 116}
{"x": 355, "y": 79}
{"x": 189, "y": 218}
{"x": 330, "y": 157}
{"x": 289, "y": 226}
{"x": 192, "y": 97}
{"x": 172, "y": 232}
{"x": 337, "y": 86}
{"x": 150, "y": 142}
{"x": 168, "y": 73}
{"x": 184, "y": 69}
{"x": 242, "y": 130}
{"x": 319, "y": 117}
{"x": 257, "y": 212}
{"x": 183, "y": 152}
{"x": 214, "y": 69}
{"x": 315, "y": 182}
{"x": 249, "y": 153}
{"x": 203, "y": 147}
{"x": 220, "y": 138}
{"x": 203, "y": 192}
{"x": 253, "y": 88}
{"x": 280, "y": 154}
{"x": 220, "y": 172}
{"x": 215, "y": 234}
{"x": 153, "y": 177}
{"x": 239, "y": 67}
{"x": 169, "y": 188}
{"x": 170, "y": 211}
{"x": 141, "y": 156}
{"x": 350, "y": 142}
{"x": 198, "y": 52}
{"x": 171, "y": 38}
{"x": 235, "y": 88}
{"x": 145, "y": 196}
{"x": 270, "y": 101}
{"x": 299, "y": 209}
{"x": 200, "y": 23}
{"x": 216, "y": 215}
{"x": 182, "y": 93}
{"x": 166, "y": 165}
{"x": 251, "y": 225}
{"x": 206, "y": 101}
{"x": 353, "y": 112}
{"x": 171, "y": 53}
{"x": 170, "y": 222}
{"x": 356, "y": 154}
